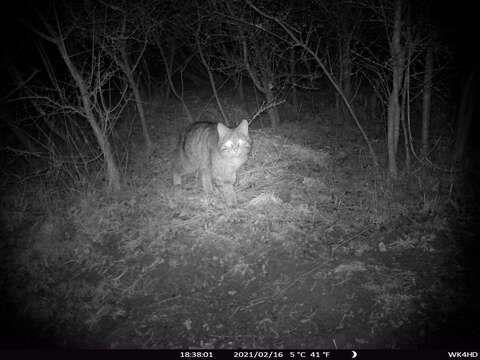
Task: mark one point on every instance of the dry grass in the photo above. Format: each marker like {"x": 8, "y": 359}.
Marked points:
{"x": 299, "y": 263}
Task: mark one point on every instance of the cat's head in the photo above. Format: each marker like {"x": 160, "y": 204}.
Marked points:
{"x": 234, "y": 142}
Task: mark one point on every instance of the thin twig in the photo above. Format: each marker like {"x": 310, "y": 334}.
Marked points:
{"x": 298, "y": 42}
{"x": 264, "y": 108}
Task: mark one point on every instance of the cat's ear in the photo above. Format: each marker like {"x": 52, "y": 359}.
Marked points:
{"x": 243, "y": 127}
{"x": 222, "y": 130}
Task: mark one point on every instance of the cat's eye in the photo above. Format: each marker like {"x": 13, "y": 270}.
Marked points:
{"x": 242, "y": 142}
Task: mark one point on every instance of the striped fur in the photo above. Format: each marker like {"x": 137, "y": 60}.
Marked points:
{"x": 216, "y": 152}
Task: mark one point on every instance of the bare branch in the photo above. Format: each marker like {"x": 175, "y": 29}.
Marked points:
{"x": 264, "y": 107}
{"x": 20, "y": 85}
{"x": 298, "y": 42}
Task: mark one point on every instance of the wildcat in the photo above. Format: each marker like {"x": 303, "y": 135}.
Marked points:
{"x": 216, "y": 152}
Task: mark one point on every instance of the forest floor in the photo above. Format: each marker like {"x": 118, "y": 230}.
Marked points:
{"x": 321, "y": 252}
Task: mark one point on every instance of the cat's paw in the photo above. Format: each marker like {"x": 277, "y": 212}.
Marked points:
{"x": 177, "y": 180}
{"x": 231, "y": 200}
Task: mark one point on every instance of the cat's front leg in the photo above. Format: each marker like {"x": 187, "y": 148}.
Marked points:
{"x": 206, "y": 179}
{"x": 177, "y": 168}
{"x": 229, "y": 193}
{"x": 177, "y": 179}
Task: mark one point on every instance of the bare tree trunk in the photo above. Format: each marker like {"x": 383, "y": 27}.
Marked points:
{"x": 346, "y": 73}
{"x": 465, "y": 115}
{"x": 373, "y": 104}
{"x": 237, "y": 77}
{"x": 405, "y": 112}
{"x": 239, "y": 86}
{"x": 128, "y": 71}
{"x": 339, "y": 119}
{"x": 405, "y": 140}
{"x": 169, "y": 65}
{"x": 113, "y": 175}
{"x": 268, "y": 91}
{"x": 338, "y": 101}
{"x": 210, "y": 75}
{"x": 272, "y": 112}
{"x": 427, "y": 95}
{"x": 393, "y": 114}
{"x": 292, "y": 74}
{"x": 141, "y": 114}
{"x": 392, "y": 120}
{"x": 264, "y": 85}
{"x": 168, "y": 71}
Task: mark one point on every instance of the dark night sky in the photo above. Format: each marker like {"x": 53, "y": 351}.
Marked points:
{"x": 460, "y": 26}
{"x": 457, "y": 20}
